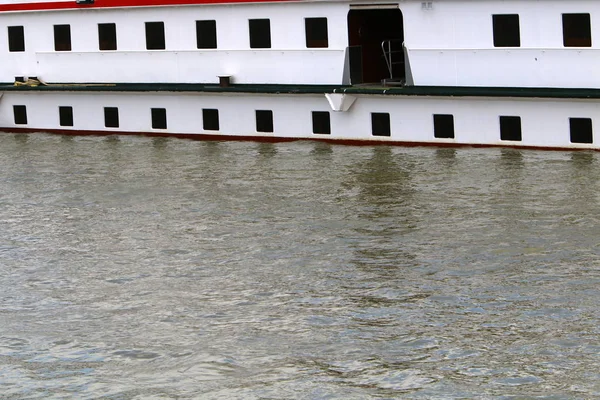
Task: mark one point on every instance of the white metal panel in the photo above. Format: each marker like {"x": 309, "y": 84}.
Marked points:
{"x": 452, "y": 44}
{"x": 288, "y": 60}
{"x": 313, "y": 66}
{"x": 449, "y": 44}
{"x": 517, "y": 67}
{"x": 545, "y": 122}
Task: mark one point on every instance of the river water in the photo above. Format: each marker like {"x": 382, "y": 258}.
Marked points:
{"x": 153, "y": 268}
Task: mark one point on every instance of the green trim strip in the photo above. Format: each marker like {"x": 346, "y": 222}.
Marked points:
{"x": 441, "y": 91}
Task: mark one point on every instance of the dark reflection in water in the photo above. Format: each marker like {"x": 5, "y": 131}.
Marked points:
{"x": 384, "y": 209}
{"x": 154, "y": 268}
{"x": 381, "y": 179}
{"x": 160, "y": 143}
{"x": 267, "y": 150}
{"x": 583, "y": 159}
{"x": 446, "y": 156}
{"x": 21, "y": 138}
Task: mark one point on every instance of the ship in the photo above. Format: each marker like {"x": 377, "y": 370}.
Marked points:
{"x": 505, "y": 73}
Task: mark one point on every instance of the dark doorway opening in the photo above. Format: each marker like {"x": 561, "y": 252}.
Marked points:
{"x": 376, "y": 51}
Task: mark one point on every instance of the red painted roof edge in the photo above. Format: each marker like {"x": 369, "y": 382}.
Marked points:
{"x": 66, "y": 5}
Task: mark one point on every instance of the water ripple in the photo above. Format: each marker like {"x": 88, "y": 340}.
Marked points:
{"x": 141, "y": 268}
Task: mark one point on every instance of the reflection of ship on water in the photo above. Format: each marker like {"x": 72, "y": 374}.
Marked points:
{"x": 266, "y": 150}
{"x": 446, "y": 155}
{"x": 386, "y": 210}
{"x": 584, "y": 188}
{"x": 509, "y": 173}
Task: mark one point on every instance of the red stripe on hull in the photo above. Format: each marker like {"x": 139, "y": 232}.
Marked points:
{"x": 275, "y": 139}
{"x": 119, "y": 3}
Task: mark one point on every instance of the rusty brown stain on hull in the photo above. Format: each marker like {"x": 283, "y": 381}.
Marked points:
{"x": 277, "y": 139}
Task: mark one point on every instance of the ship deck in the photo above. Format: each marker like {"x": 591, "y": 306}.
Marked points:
{"x": 440, "y": 91}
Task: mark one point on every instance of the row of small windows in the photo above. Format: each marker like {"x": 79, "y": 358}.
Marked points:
{"x": 210, "y": 118}
{"x": 443, "y": 124}
{"x": 510, "y": 127}
{"x": 577, "y": 31}
{"x": 206, "y": 35}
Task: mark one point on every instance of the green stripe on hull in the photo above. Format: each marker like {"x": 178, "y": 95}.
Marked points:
{"x": 440, "y": 91}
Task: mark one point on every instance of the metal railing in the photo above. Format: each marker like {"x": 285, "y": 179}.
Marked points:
{"x": 393, "y": 54}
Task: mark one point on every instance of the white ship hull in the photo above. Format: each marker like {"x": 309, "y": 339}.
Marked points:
{"x": 545, "y": 123}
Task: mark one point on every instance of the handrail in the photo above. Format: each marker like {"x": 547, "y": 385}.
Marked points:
{"x": 386, "y": 48}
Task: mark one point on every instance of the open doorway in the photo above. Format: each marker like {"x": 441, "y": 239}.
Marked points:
{"x": 376, "y": 38}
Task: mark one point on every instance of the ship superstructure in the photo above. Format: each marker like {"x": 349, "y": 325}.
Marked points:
{"x": 444, "y": 72}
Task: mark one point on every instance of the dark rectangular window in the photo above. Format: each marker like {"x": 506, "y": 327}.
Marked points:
{"x": 111, "y": 117}
{"x": 510, "y": 128}
{"x": 155, "y": 36}
{"x": 16, "y": 38}
{"x": 506, "y": 30}
{"x": 380, "y": 124}
{"x": 260, "y": 33}
{"x": 159, "y": 118}
{"x": 443, "y": 126}
{"x": 65, "y": 115}
{"x": 210, "y": 119}
{"x": 264, "y": 121}
{"x": 107, "y": 36}
{"x": 20, "y": 113}
{"x": 316, "y": 32}
{"x": 581, "y": 130}
{"x": 206, "y": 34}
{"x": 321, "y": 123}
{"x": 577, "y": 30}
{"x": 62, "y": 37}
